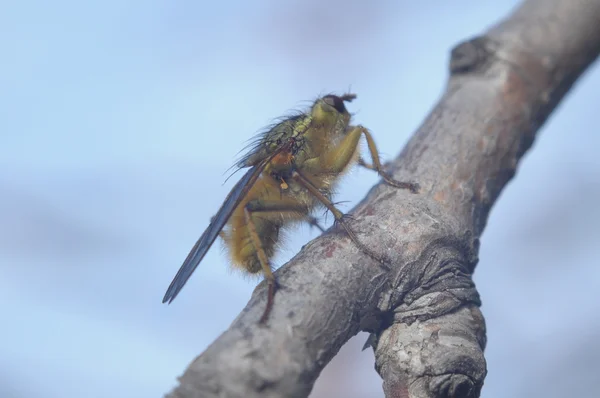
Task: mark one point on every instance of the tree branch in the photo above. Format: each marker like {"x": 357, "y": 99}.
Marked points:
{"x": 428, "y": 331}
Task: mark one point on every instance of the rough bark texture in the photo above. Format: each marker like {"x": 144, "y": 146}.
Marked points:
{"x": 428, "y": 331}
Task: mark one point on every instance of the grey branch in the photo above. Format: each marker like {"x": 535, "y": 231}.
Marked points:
{"x": 423, "y": 312}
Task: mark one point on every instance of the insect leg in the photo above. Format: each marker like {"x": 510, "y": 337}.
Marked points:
{"x": 340, "y": 218}
{"x": 386, "y": 177}
{"x": 376, "y": 166}
{"x": 268, "y": 206}
{"x": 363, "y": 163}
{"x": 257, "y": 207}
{"x": 264, "y": 262}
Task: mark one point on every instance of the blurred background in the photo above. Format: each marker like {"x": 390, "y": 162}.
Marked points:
{"x": 118, "y": 120}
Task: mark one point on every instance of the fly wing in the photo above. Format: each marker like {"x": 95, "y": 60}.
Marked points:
{"x": 217, "y": 223}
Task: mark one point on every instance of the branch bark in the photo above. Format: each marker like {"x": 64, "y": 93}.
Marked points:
{"x": 428, "y": 331}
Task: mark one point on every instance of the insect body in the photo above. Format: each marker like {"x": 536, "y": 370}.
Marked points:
{"x": 293, "y": 168}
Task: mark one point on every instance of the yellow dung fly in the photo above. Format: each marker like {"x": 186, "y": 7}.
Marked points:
{"x": 293, "y": 168}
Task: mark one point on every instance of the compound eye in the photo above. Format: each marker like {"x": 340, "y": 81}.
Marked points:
{"x": 336, "y": 102}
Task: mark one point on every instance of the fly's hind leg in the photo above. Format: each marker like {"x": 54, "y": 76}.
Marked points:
{"x": 274, "y": 207}
{"x": 264, "y": 262}
{"x": 340, "y": 218}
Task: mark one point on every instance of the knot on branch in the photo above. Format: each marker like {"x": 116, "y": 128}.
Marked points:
{"x": 472, "y": 55}
{"x": 438, "y": 282}
{"x": 433, "y": 344}
{"x": 441, "y": 357}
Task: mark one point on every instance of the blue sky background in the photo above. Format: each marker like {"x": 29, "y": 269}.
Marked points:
{"x": 118, "y": 120}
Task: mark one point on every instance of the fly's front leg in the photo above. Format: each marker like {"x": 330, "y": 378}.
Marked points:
{"x": 363, "y": 163}
{"x": 337, "y": 159}
{"x": 273, "y": 207}
{"x": 386, "y": 177}
{"x": 376, "y": 166}
{"x": 340, "y": 218}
